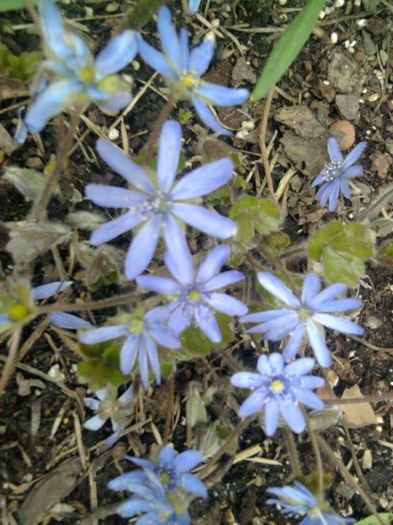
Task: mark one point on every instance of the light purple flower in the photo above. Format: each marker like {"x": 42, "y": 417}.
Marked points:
{"x": 109, "y": 406}
{"x": 141, "y": 336}
{"x": 183, "y": 68}
{"x": 159, "y": 205}
{"x": 196, "y": 295}
{"x": 71, "y": 76}
{"x": 68, "y": 321}
{"x": 335, "y": 175}
{"x": 193, "y": 6}
{"x": 299, "y": 500}
{"x": 305, "y": 316}
{"x": 151, "y": 499}
{"x": 279, "y": 389}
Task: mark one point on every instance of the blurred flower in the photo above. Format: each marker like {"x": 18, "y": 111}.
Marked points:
{"x": 336, "y": 173}
{"x": 109, "y": 406}
{"x": 299, "y": 500}
{"x": 196, "y": 298}
{"x": 183, "y": 68}
{"x": 141, "y": 333}
{"x": 306, "y": 316}
{"x": 152, "y": 500}
{"x": 70, "y": 76}
{"x": 159, "y": 205}
{"x": 68, "y": 321}
{"x": 193, "y": 6}
{"x": 279, "y": 389}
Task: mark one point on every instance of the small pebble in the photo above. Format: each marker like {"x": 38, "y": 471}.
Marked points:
{"x": 113, "y": 134}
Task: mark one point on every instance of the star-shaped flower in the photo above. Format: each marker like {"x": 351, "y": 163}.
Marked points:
{"x": 335, "y": 175}
{"x": 159, "y": 203}
{"x": 182, "y": 69}
{"x": 305, "y": 316}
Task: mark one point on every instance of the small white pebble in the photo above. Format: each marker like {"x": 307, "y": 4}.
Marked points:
{"x": 113, "y": 134}
{"x": 379, "y": 429}
{"x": 215, "y": 22}
{"x": 334, "y": 38}
{"x": 364, "y": 90}
{"x": 368, "y": 132}
{"x": 282, "y": 2}
{"x": 362, "y": 22}
{"x": 373, "y": 97}
{"x": 361, "y": 100}
{"x": 358, "y": 3}
{"x": 339, "y": 3}
{"x": 329, "y": 10}
{"x": 322, "y": 15}
{"x": 346, "y": 43}
{"x": 210, "y": 36}
{"x": 326, "y": 82}
{"x": 248, "y": 125}
{"x": 242, "y": 134}
{"x": 136, "y": 65}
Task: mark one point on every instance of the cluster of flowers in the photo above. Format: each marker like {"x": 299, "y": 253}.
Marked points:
{"x": 159, "y": 206}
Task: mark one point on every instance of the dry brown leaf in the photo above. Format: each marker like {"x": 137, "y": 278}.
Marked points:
{"x": 358, "y": 415}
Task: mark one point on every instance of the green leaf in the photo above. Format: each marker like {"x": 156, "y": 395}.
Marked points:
{"x": 255, "y": 215}
{"x": 288, "y": 47}
{"x": 276, "y": 242}
{"x": 342, "y": 249}
{"x": 195, "y": 343}
{"x": 11, "y": 5}
{"x": 385, "y": 254}
{"x": 100, "y": 364}
{"x": 386, "y": 517}
{"x": 139, "y": 13}
{"x": 184, "y": 116}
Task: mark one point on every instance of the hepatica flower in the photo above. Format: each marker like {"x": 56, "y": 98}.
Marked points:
{"x": 182, "y": 69}
{"x": 335, "y": 175}
{"x": 279, "y": 389}
{"x": 307, "y": 315}
{"x": 157, "y": 204}
{"x": 141, "y": 334}
{"x": 196, "y": 298}
{"x": 71, "y": 76}
{"x": 299, "y": 500}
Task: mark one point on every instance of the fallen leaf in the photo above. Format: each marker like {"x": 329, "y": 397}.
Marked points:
{"x": 358, "y": 415}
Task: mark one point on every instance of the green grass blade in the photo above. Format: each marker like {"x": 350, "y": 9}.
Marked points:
{"x": 11, "y": 5}
{"x": 386, "y": 517}
{"x": 288, "y": 47}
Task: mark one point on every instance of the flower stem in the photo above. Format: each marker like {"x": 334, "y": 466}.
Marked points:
{"x": 164, "y": 114}
{"x": 292, "y": 453}
{"x": 318, "y": 459}
{"x": 11, "y": 358}
{"x": 262, "y": 141}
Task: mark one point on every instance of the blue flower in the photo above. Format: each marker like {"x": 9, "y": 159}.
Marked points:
{"x": 71, "y": 76}
{"x": 171, "y": 468}
{"x": 307, "y": 315}
{"x": 280, "y": 388}
{"x": 193, "y": 6}
{"x": 196, "y": 296}
{"x": 299, "y": 500}
{"x": 336, "y": 173}
{"x": 109, "y": 406}
{"x": 151, "y": 499}
{"x": 183, "y": 68}
{"x": 158, "y": 206}
{"x": 141, "y": 337}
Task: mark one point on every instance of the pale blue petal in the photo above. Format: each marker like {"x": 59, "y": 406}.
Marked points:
{"x": 68, "y": 321}
{"x": 272, "y": 413}
{"x": 49, "y": 103}
{"x": 340, "y": 305}
{"x": 178, "y": 257}
{"x": 226, "y": 304}
{"x": 268, "y": 315}
{"x": 354, "y": 155}
{"x": 152, "y": 355}
{"x": 128, "y": 353}
{"x": 193, "y": 6}
{"x": 104, "y": 333}
{"x": 207, "y": 117}
{"x": 130, "y": 508}
{"x": 221, "y": 95}
{"x": 276, "y": 287}
{"x": 311, "y": 287}
{"x": 192, "y": 484}
{"x": 327, "y": 295}
{"x": 352, "y": 172}
{"x": 155, "y": 59}
{"x": 115, "y": 102}
{"x": 338, "y": 323}
{"x": 48, "y": 290}
{"x": 294, "y": 342}
{"x": 167, "y": 454}
{"x": 94, "y": 423}
{"x": 318, "y": 345}
{"x": 121, "y": 164}
{"x": 334, "y": 192}
{"x": 158, "y": 284}
{"x": 168, "y": 36}
{"x": 323, "y": 193}
{"x": 113, "y": 196}
{"x": 160, "y": 314}
{"x": 142, "y": 248}
{"x": 168, "y": 154}
{"x": 164, "y": 336}
{"x": 320, "y": 178}
{"x": 222, "y": 280}
{"x": 126, "y": 396}
{"x": 246, "y": 380}
{"x": 275, "y": 362}
{"x": 143, "y": 364}
{"x": 293, "y": 416}
{"x": 206, "y": 321}
{"x": 179, "y": 320}
{"x": 52, "y": 28}
{"x": 200, "y": 57}
{"x": 111, "y": 229}
{"x": 119, "y": 52}
{"x": 309, "y": 399}
{"x": 252, "y": 404}
{"x": 300, "y": 367}
{"x": 344, "y": 188}
{"x": 187, "y": 460}
{"x": 311, "y": 382}
{"x": 203, "y": 180}
{"x": 212, "y": 263}
{"x": 184, "y": 49}
{"x": 334, "y": 150}
{"x": 207, "y": 221}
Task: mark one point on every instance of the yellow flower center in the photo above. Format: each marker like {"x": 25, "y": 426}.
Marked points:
{"x": 277, "y": 386}
{"x": 87, "y": 74}
{"x": 189, "y": 81}
{"x": 18, "y": 312}
{"x": 194, "y": 295}
{"x": 136, "y": 326}
{"x": 304, "y": 313}
{"x": 314, "y": 512}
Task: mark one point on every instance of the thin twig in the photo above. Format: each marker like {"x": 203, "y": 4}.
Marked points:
{"x": 169, "y": 414}
{"x": 11, "y": 359}
{"x": 91, "y": 305}
{"x": 318, "y": 459}
{"x": 292, "y": 453}
{"x": 262, "y": 141}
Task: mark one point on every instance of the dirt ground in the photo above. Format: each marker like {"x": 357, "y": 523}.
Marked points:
{"x": 53, "y": 470}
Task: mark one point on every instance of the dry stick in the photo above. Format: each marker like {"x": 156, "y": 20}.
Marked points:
{"x": 369, "y": 345}
{"x": 293, "y": 453}
{"x": 318, "y": 459}
{"x": 169, "y": 414}
{"x": 262, "y": 141}
{"x": 347, "y": 476}
{"x": 35, "y": 335}
{"x": 92, "y": 305}
{"x": 40, "y": 205}
{"x": 164, "y": 114}
{"x": 364, "y": 399}
{"x": 11, "y": 358}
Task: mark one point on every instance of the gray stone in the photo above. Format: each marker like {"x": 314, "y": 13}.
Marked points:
{"x": 242, "y": 71}
{"x": 348, "y": 106}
